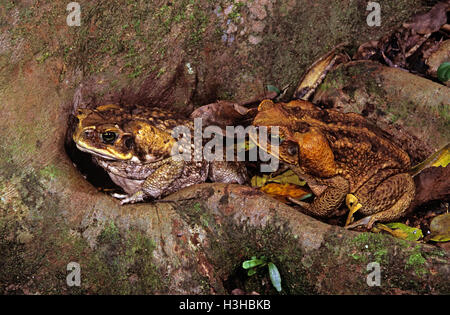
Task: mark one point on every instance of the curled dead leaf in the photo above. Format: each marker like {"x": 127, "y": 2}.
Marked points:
{"x": 222, "y": 114}
{"x": 317, "y": 72}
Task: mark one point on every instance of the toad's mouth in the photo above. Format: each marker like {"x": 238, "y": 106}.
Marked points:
{"x": 103, "y": 153}
{"x": 106, "y": 155}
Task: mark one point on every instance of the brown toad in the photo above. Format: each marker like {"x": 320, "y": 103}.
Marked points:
{"x": 136, "y": 147}
{"x": 346, "y": 154}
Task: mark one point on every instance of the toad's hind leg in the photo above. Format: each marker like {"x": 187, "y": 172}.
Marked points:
{"x": 228, "y": 172}
{"x": 388, "y": 201}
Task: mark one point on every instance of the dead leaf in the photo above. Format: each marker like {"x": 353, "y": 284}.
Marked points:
{"x": 366, "y": 51}
{"x": 288, "y": 177}
{"x": 317, "y": 72}
{"x": 439, "y": 158}
{"x": 431, "y": 21}
{"x": 222, "y": 114}
{"x": 409, "y": 46}
{"x": 283, "y": 191}
{"x": 440, "y": 228}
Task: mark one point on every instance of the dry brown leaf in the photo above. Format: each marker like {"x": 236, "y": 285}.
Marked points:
{"x": 282, "y": 191}
{"x": 431, "y": 21}
{"x": 222, "y": 114}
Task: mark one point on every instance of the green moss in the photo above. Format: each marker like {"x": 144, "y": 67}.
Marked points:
{"x": 197, "y": 207}
{"x": 51, "y": 171}
{"x": 44, "y": 56}
{"x": 198, "y": 21}
{"x": 110, "y": 234}
{"x": 381, "y": 255}
{"x": 369, "y": 247}
{"x": 139, "y": 254}
{"x": 35, "y": 216}
{"x": 361, "y": 239}
{"x": 416, "y": 262}
{"x": 135, "y": 35}
{"x": 335, "y": 80}
{"x": 358, "y": 258}
{"x": 235, "y": 14}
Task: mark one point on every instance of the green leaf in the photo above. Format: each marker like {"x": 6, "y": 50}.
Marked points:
{"x": 439, "y": 158}
{"x": 288, "y": 177}
{"x": 253, "y": 263}
{"x": 440, "y": 238}
{"x": 305, "y": 197}
{"x": 251, "y": 272}
{"x": 443, "y": 72}
{"x": 275, "y": 276}
{"x": 272, "y": 88}
{"x": 405, "y": 232}
{"x": 245, "y": 145}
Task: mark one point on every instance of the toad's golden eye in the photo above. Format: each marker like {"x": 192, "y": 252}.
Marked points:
{"x": 108, "y": 137}
{"x": 292, "y": 149}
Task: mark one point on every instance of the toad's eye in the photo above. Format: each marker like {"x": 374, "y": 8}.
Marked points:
{"x": 108, "y": 137}
{"x": 292, "y": 149}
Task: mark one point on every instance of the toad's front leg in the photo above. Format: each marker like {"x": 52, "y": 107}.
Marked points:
{"x": 158, "y": 182}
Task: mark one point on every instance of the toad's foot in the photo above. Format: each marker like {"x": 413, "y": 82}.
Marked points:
{"x": 352, "y": 203}
{"x": 137, "y": 197}
{"x": 119, "y": 196}
{"x": 367, "y": 221}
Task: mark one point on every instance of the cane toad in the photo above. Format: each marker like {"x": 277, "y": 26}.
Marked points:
{"x": 136, "y": 147}
{"x": 344, "y": 153}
